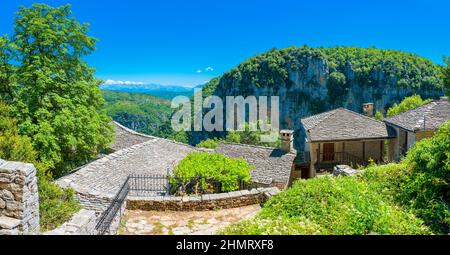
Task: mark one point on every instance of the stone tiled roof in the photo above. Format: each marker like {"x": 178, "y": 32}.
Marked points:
{"x": 433, "y": 114}
{"x": 342, "y": 124}
{"x": 106, "y": 175}
{"x": 271, "y": 165}
{"x": 126, "y": 137}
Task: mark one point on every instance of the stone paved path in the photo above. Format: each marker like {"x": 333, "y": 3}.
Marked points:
{"x": 137, "y": 222}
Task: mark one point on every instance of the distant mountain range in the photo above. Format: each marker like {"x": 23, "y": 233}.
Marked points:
{"x": 163, "y": 91}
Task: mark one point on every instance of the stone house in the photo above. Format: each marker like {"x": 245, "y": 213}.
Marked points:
{"x": 416, "y": 124}
{"x": 344, "y": 137}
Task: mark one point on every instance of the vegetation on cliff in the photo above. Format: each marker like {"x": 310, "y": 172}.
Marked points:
{"x": 411, "y": 197}
{"x": 370, "y": 66}
{"x": 314, "y": 80}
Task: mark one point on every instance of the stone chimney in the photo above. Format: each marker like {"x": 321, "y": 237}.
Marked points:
{"x": 287, "y": 140}
{"x": 368, "y": 109}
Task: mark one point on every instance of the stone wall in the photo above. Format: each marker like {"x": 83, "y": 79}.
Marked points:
{"x": 81, "y": 223}
{"x": 202, "y": 203}
{"x": 19, "y": 198}
{"x": 98, "y": 203}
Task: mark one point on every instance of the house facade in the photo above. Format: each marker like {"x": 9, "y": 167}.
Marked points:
{"x": 345, "y": 137}
{"x": 416, "y": 124}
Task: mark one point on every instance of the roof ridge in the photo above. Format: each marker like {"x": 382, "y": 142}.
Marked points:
{"x": 332, "y": 112}
{"x": 131, "y": 131}
{"x": 415, "y": 108}
{"x": 362, "y": 115}
{"x": 254, "y": 146}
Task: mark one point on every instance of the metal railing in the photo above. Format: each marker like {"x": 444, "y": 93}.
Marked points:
{"x": 335, "y": 158}
{"x": 149, "y": 185}
{"x": 158, "y": 185}
{"x": 107, "y": 217}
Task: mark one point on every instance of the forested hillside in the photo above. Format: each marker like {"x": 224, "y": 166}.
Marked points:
{"x": 143, "y": 113}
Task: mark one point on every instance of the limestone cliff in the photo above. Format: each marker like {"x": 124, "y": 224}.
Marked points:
{"x": 313, "y": 80}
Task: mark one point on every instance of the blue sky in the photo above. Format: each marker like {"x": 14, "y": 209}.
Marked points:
{"x": 174, "y": 42}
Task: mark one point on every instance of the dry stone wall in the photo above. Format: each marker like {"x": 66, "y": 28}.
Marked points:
{"x": 81, "y": 223}
{"x": 19, "y": 199}
{"x": 202, "y": 203}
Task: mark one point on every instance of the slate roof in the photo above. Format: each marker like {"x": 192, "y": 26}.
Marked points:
{"x": 271, "y": 165}
{"x": 435, "y": 113}
{"x": 342, "y": 124}
{"x": 106, "y": 175}
{"x": 126, "y": 137}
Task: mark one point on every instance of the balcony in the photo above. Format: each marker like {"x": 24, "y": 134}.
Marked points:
{"x": 326, "y": 161}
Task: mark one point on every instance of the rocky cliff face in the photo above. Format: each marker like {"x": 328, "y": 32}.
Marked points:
{"x": 306, "y": 87}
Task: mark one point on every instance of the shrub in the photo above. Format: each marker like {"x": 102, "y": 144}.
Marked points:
{"x": 427, "y": 190}
{"x": 205, "y": 169}
{"x": 260, "y": 226}
{"x": 344, "y": 205}
{"x": 209, "y": 143}
{"x": 56, "y": 205}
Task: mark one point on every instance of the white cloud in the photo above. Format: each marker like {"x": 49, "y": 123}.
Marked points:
{"x": 207, "y": 69}
{"x": 113, "y": 82}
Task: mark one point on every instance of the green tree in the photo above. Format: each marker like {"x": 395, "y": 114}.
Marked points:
{"x": 56, "y": 205}
{"x": 446, "y": 71}
{"x": 12, "y": 145}
{"x": 379, "y": 116}
{"x": 59, "y": 102}
{"x": 336, "y": 86}
{"x": 7, "y": 71}
{"x": 407, "y": 104}
{"x": 247, "y": 136}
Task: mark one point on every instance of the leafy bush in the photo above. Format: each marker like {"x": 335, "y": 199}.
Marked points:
{"x": 281, "y": 226}
{"x": 407, "y": 104}
{"x": 56, "y": 205}
{"x": 344, "y": 205}
{"x": 207, "y": 168}
{"x": 209, "y": 143}
{"x": 427, "y": 191}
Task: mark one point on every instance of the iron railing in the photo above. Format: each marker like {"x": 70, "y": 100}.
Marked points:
{"x": 149, "y": 185}
{"x": 107, "y": 217}
{"x": 335, "y": 158}
{"x": 159, "y": 185}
